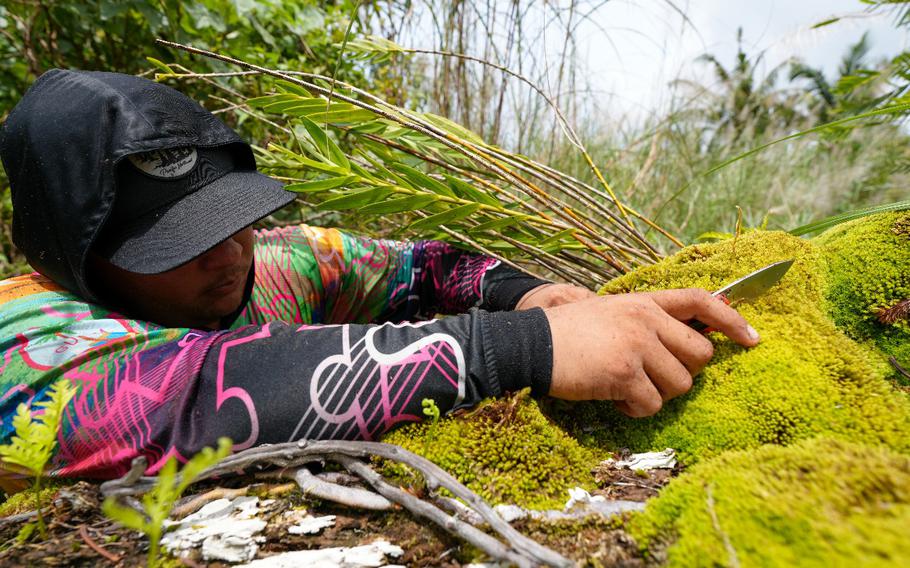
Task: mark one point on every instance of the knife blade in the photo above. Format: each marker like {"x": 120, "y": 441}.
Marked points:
{"x": 748, "y": 287}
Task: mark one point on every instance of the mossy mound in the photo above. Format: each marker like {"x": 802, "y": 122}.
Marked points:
{"x": 817, "y": 503}
{"x": 27, "y": 499}
{"x": 505, "y": 450}
{"x": 806, "y": 378}
{"x": 867, "y": 265}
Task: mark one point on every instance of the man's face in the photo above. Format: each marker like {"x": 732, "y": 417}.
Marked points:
{"x": 197, "y": 294}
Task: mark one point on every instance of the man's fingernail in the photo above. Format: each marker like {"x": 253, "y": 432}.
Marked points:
{"x": 753, "y": 335}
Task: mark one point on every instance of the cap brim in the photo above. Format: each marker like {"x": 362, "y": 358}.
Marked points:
{"x": 179, "y": 232}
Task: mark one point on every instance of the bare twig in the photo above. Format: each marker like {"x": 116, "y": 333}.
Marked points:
{"x": 350, "y": 496}
{"x": 338, "y": 477}
{"x": 83, "y": 532}
{"x": 428, "y": 511}
{"x": 137, "y": 468}
{"x": 898, "y": 367}
{"x": 196, "y": 502}
{"x": 26, "y": 516}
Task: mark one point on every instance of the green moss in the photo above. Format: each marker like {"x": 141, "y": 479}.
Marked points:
{"x": 801, "y": 442}
{"x": 867, "y": 264}
{"x": 27, "y": 499}
{"x": 506, "y": 451}
{"x": 806, "y": 377}
{"x": 816, "y": 503}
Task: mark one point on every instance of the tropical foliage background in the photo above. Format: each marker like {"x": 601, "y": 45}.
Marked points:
{"x": 459, "y": 136}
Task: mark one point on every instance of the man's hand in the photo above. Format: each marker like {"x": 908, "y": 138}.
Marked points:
{"x": 634, "y": 348}
{"x": 552, "y": 295}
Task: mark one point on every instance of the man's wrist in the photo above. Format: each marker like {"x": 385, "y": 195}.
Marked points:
{"x": 504, "y": 287}
{"x": 521, "y": 348}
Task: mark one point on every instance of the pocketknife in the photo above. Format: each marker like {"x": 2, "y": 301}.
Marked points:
{"x": 748, "y": 287}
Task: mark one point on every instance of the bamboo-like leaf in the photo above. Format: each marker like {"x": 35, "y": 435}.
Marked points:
{"x": 498, "y": 224}
{"x": 829, "y": 222}
{"x": 325, "y": 144}
{"x": 372, "y": 127}
{"x": 373, "y": 44}
{"x": 379, "y": 149}
{"x": 393, "y": 154}
{"x": 293, "y": 88}
{"x": 565, "y": 234}
{"x": 340, "y": 116}
{"x": 499, "y": 245}
{"x": 422, "y": 180}
{"x": 468, "y": 191}
{"x": 161, "y": 65}
{"x": 265, "y": 101}
{"x": 300, "y": 160}
{"x": 445, "y": 217}
{"x": 350, "y": 200}
{"x": 363, "y": 173}
{"x": 319, "y": 185}
{"x": 452, "y": 128}
{"x": 297, "y": 107}
{"x": 824, "y": 23}
{"x": 389, "y": 174}
{"x": 410, "y": 203}
{"x": 319, "y": 110}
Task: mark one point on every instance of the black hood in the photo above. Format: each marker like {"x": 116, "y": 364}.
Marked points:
{"x": 61, "y": 145}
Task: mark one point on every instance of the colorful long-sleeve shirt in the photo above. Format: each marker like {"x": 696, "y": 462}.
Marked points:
{"x": 333, "y": 342}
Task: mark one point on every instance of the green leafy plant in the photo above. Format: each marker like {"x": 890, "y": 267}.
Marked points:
{"x": 36, "y": 438}
{"x": 159, "y": 501}
{"x": 374, "y": 158}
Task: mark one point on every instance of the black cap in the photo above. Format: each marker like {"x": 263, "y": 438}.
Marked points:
{"x": 67, "y": 148}
{"x": 174, "y": 204}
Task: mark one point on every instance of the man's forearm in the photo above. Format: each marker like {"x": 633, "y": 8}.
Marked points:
{"x": 279, "y": 382}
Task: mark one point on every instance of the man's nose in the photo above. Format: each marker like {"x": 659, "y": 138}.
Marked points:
{"x": 224, "y": 254}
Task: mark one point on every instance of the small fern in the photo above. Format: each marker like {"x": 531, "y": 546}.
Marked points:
{"x": 36, "y": 438}
{"x": 159, "y": 501}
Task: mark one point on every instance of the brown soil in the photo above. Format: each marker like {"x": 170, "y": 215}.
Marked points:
{"x": 625, "y": 484}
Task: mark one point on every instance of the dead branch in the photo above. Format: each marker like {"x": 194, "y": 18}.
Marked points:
{"x": 26, "y": 516}
{"x": 192, "y": 504}
{"x": 350, "y": 496}
{"x": 898, "y": 367}
{"x": 339, "y": 477}
{"x": 296, "y": 454}
{"x": 428, "y": 511}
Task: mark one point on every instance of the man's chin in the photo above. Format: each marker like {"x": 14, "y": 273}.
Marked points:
{"x": 226, "y": 305}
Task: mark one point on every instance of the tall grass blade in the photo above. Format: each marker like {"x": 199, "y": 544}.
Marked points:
{"x": 829, "y": 222}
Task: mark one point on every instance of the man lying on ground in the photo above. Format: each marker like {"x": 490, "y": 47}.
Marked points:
{"x": 179, "y": 324}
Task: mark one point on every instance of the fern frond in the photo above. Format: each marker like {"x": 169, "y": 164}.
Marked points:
{"x": 36, "y": 434}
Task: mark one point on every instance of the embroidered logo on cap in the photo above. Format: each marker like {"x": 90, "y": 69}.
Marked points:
{"x": 167, "y": 164}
